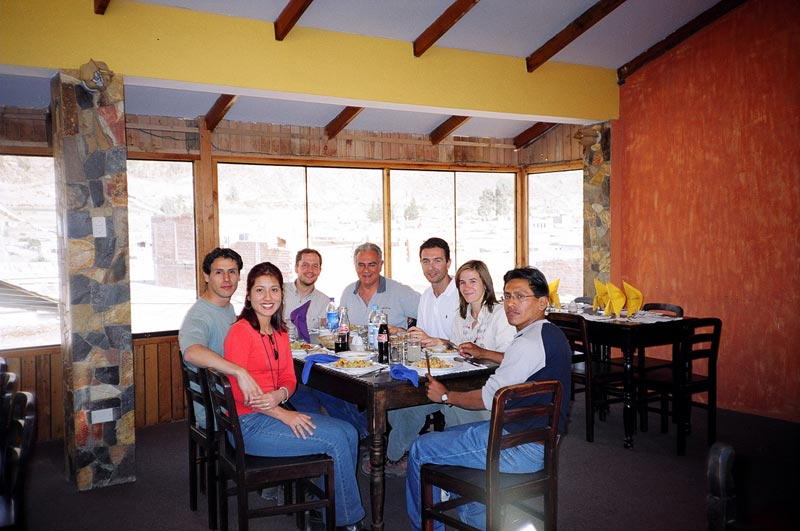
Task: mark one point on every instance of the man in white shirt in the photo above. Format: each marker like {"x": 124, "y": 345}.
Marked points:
{"x": 307, "y": 267}
{"x": 437, "y": 306}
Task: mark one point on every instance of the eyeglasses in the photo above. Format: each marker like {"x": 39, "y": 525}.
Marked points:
{"x": 517, "y": 297}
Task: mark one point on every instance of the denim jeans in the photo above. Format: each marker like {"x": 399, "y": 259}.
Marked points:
{"x": 269, "y": 437}
{"x": 406, "y": 424}
{"x": 463, "y": 445}
{"x": 309, "y": 400}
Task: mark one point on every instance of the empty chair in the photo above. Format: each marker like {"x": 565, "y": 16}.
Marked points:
{"x": 591, "y": 375}
{"x": 250, "y": 473}
{"x": 490, "y": 487}
{"x": 202, "y": 441}
{"x": 19, "y": 439}
{"x": 679, "y": 383}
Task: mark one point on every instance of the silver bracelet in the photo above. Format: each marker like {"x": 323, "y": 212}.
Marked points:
{"x": 287, "y": 394}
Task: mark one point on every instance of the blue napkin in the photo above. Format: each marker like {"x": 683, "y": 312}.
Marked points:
{"x": 298, "y": 318}
{"x": 401, "y": 372}
{"x": 311, "y": 360}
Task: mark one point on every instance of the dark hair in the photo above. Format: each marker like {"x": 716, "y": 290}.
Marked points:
{"x": 436, "y": 243}
{"x": 221, "y": 252}
{"x": 259, "y": 270}
{"x": 301, "y": 252}
{"x": 489, "y": 299}
{"x": 535, "y": 278}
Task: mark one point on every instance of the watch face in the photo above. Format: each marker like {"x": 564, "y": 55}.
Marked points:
{"x": 444, "y": 397}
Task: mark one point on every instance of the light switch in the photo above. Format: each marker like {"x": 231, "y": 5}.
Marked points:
{"x": 102, "y": 415}
{"x": 99, "y": 227}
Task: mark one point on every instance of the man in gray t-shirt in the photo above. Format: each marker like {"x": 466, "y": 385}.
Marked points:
{"x": 206, "y": 324}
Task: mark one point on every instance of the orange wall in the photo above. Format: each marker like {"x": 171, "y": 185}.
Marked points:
{"x": 705, "y": 189}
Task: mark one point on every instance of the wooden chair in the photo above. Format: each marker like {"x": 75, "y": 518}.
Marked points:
{"x": 19, "y": 441}
{"x": 593, "y": 376}
{"x": 251, "y": 473}
{"x": 490, "y": 487}
{"x": 202, "y": 442}
{"x": 679, "y": 382}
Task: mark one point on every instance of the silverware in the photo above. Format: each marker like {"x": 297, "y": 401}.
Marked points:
{"x": 373, "y": 371}
{"x": 459, "y": 358}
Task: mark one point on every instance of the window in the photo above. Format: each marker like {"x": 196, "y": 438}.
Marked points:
{"x": 555, "y": 229}
{"x": 29, "y": 281}
{"x": 268, "y": 213}
{"x": 485, "y": 221}
{"x": 161, "y": 240}
{"x": 423, "y": 206}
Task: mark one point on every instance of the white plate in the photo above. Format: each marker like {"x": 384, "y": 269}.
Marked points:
{"x": 354, "y": 371}
{"x": 355, "y": 355}
{"x": 456, "y": 365}
{"x": 442, "y": 350}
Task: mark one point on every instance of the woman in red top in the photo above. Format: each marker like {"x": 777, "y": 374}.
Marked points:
{"x": 259, "y": 342}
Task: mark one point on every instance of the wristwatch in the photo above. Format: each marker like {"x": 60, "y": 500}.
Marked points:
{"x": 444, "y": 398}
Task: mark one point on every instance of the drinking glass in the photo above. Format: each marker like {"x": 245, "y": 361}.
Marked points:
{"x": 413, "y": 350}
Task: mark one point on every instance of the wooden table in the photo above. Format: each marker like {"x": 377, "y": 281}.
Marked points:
{"x": 628, "y": 336}
{"x": 378, "y": 394}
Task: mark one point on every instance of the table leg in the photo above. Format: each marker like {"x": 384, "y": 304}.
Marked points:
{"x": 377, "y": 456}
{"x": 628, "y": 411}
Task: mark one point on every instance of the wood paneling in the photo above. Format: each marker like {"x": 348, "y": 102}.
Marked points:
{"x": 158, "y": 392}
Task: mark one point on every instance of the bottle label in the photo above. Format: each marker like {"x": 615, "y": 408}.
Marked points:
{"x": 344, "y": 329}
{"x": 333, "y": 320}
{"x": 383, "y": 338}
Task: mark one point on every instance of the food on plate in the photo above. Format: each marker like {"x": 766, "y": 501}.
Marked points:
{"x": 353, "y": 364}
{"x": 297, "y": 345}
{"x": 436, "y": 363}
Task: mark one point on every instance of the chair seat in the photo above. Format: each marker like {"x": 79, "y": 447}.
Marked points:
{"x": 279, "y": 469}
{"x": 471, "y": 482}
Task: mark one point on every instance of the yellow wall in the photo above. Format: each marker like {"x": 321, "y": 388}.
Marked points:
{"x": 164, "y": 43}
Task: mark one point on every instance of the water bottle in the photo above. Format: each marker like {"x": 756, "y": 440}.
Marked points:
{"x": 332, "y": 316}
{"x": 343, "y": 331}
{"x": 372, "y": 328}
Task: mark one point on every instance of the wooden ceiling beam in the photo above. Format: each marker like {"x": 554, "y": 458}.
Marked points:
{"x": 441, "y": 25}
{"x": 532, "y": 133}
{"x": 100, "y": 6}
{"x": 574, "y": 29}
{"x": 446, "y": 128}
{"x": 218, "y": 111}
{"x": 675, "y": 38}
{"x": 289, "y": 17}
{"x": 340, "y": 122}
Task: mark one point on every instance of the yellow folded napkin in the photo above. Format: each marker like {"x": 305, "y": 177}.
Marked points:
{"x": 554, "y": 300}
{"x": 634, "y": 299}
{"x": 600, "y": 295}
{"x": 616, "y": 300}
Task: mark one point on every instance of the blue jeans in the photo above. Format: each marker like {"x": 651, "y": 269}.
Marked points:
{"x": 463, "y": 445}
{"x": 269, "y": 437}
{"x": 309, "y": 400}
{"x": 406, "y": 424}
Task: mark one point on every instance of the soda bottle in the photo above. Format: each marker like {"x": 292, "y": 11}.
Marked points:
{"x": 332, "y": 316}
{"x": 343, "y": 331}
{"x": 383, "y": 342}
{"x": 372, "y": 328}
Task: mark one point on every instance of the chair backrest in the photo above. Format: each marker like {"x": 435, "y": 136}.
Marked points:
{"x": 195, "y": 385}
{"x": 700, "y": 341}
{"x": 18, "y": 443}
{"x": 230, "y": 433}
{"x": 3, "y": 364}
{"x": 672, "y": 310}
{"x": 584, "y": 300}
{"x": 574, "y": 327}
{"x": 8, "y": 386}
{"x": 539, "y": 401}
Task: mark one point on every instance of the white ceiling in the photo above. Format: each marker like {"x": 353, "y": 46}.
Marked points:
{"x": 505, "y": 27}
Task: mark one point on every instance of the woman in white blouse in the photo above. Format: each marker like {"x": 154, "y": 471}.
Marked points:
{"x": 480, "y": 328}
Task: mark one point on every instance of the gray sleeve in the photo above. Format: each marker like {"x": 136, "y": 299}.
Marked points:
{"x": 193, "y": 331}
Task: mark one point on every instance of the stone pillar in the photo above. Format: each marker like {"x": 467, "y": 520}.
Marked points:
{"x": 90, "y": 154}
{"x": 597, "y": 211}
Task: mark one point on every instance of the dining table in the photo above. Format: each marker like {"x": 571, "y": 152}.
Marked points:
{"x": 629, "y": 334}
{"x": 379, "y": 392}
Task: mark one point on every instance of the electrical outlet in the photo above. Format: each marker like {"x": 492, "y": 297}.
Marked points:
{"x": 99, "y": 227}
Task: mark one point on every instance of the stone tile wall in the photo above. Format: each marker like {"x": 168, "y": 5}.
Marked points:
{"x": 91, "y": 193}
{"x": 597, "y": 211}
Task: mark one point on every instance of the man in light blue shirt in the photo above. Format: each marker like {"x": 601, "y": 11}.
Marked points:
{"x": 397, "y": 300}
